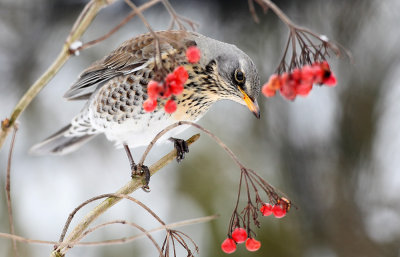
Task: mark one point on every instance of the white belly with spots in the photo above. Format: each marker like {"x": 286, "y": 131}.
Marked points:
{"x": 139, "y": 132}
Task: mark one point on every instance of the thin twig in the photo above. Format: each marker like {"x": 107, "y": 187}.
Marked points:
{"x": 121, "y": 24}
{"x": 180, "y": 123}
{"x": 26, "y": 240}
{"x": 168, "y": 226}
{"x": 253, "y": 11}
{"x": 71, "y": 216}
{"x": 114, "y": 241}
{"x": 279, "y": 13}
{"x": 175, "y": 18}
{"x": 132, "y": 224}
{"x": 155, "y": 37}
{"x": 8, "y": 191}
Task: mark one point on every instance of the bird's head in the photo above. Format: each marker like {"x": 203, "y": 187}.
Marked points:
{"x": 238, "y": 79}
{"x": 235, "y": 74}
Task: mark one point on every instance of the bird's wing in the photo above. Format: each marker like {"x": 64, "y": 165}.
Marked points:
{"x": 130, "y": 56}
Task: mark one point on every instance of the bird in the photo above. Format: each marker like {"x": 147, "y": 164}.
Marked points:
{"x": 115, "y": 88}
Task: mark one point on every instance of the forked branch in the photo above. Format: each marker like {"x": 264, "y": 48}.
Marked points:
{"x": 110, "y": 201}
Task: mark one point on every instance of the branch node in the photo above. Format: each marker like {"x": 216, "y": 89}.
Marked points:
{"x": 75, "y": 47}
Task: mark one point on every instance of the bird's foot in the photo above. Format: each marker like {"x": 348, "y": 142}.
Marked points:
{"x": 181, "y": 148}
{"x": 142, "y": 170}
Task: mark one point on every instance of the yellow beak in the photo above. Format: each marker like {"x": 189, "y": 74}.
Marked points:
{"x": 252, "y": 105}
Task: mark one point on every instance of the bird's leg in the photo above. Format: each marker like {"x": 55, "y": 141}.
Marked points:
{"x": 138, "y": 170}
{"x": 181, "y": 148}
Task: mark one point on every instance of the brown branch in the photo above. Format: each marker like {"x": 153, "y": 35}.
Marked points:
{"x": 114, "y": 241}
{"x": 8, "y": 191}
{"x": 84, "y": 20}
{"x": 132, "y": 238}
{"x": 109, "y": 202}
{"x": 180, "y": 123}
{"x": 26, "y": 240}
{"x": 284, "y": 18}
{"x": 175, "y": 18}
{"x": 132, "y": 224}
{"x": 253, "y": 11}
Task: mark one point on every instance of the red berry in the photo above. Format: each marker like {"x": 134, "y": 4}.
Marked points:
{"x": 228, "y": 246}
{"x": 325, "y": 66}
{"x": 153, "y": 88}
{"x": 330, "y": 81}
{"x": 170, "y": 78}
{"x": 193, "y": 54}
{"x": 252, "y": 245}
{"x": 266, "y": 209}
{"x": 181, "y": 74}
{"x": 318, "y": 73}
{"x": 307, "y": 74}
{"x": 170, "y": 106}
{"x": 288, "y": 89}
{"x": 150, "y": 104}
{"x": 274, "y": 82}
{"x": 278, "y": 211}
{"x": 174, "y": 81}
{"x": 304, "y": 88}
{"x": 296, "y": 74}
{"x": 327, "y": 75}
{"x": 176, "y": 89}
{"x": 284, "y": 78}
{"x": 239, "y": 235}
{"x": 267, "y": 91}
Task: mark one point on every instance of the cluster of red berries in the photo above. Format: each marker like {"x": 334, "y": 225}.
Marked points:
{"x": 239, "y": 235}
{"x": 279, "y": 210}
{"x": 299, "y": 81}
{"x": 171, "y": 86}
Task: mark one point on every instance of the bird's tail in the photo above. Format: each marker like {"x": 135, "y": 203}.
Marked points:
{"x": 60, "y": 143}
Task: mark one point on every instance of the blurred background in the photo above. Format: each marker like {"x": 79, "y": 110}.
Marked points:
{"x": 335, "y": 153}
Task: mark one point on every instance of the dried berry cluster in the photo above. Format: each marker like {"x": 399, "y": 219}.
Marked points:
{"x": 299, "y": 81}
{"x": 175, "y": 238}
{"x": 172, "y": 85}
{"x": 239, "y": 230}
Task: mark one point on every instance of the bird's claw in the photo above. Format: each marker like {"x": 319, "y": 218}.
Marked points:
{"x": 181, "y": 148}
{"x": 140, "y": 170}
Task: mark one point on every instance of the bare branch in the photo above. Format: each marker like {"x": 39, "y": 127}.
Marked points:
{"x": 109, "y": 202}
{"x": 132, "y": 224}
{"x": 8, "y": 191}
{"x": 177, "y": 19}
{"x": 180, "y": 123}
{"x": 253, "y": 11}
{"x": 161, "y": 228}
{"x": 84, "y": 20}
{"x": 71, "y": 216}
{"x": 26, "y": 240}
{"x": 115, "y": 241}
{"x": 121, "y": 24}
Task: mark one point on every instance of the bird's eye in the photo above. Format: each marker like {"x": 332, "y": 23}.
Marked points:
{"x": 239, "y": 76}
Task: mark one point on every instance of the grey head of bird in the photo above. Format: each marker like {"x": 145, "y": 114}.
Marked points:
{"x": 236, "y": 74}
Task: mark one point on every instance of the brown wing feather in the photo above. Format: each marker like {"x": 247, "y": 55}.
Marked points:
{"x": 129, "y": 56}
